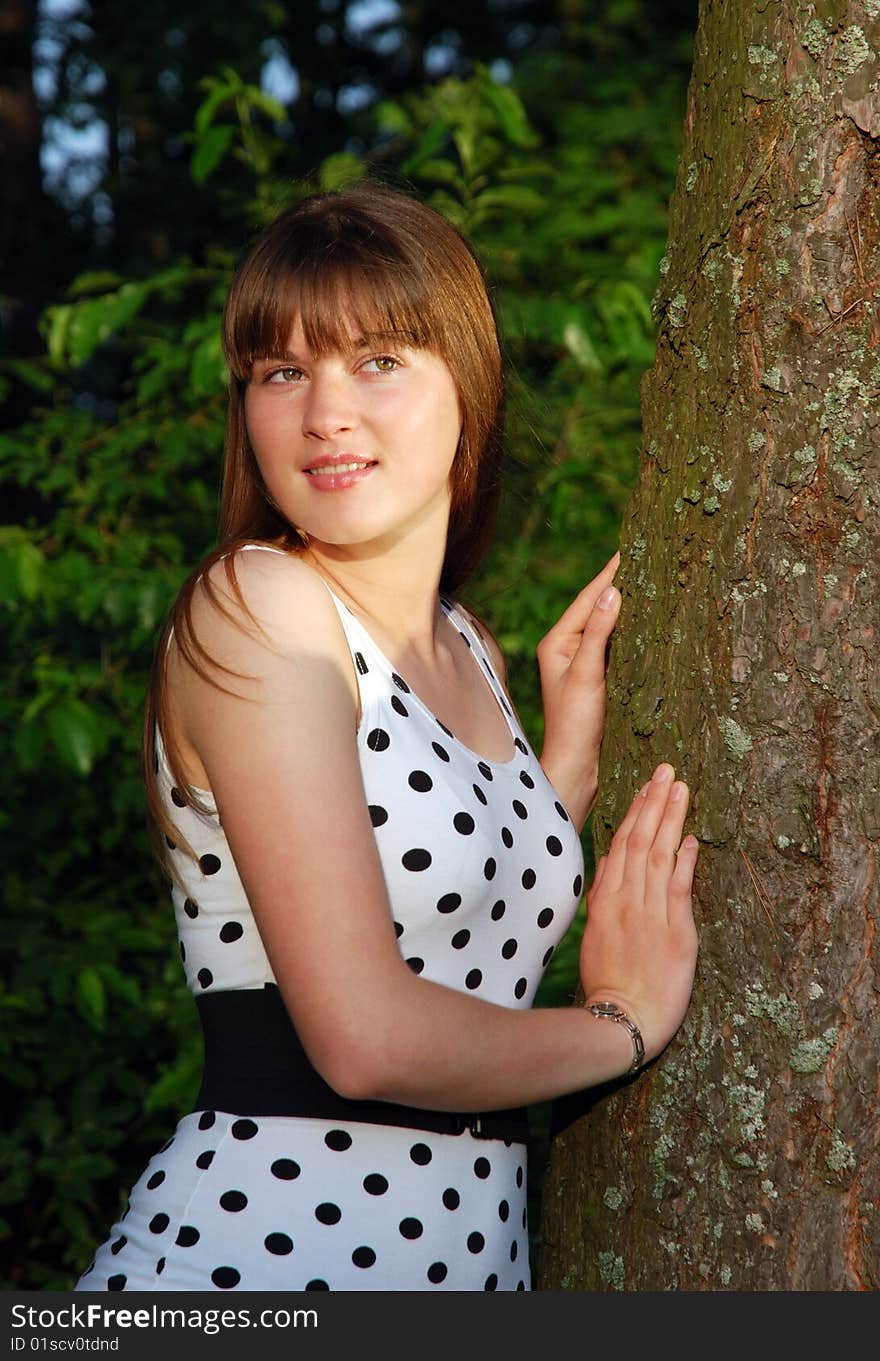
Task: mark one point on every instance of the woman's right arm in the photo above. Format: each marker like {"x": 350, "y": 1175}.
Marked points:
{"x": 281, "y": 757}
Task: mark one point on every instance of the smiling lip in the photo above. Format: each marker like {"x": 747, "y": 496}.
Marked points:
{"x": 335, "y": 472}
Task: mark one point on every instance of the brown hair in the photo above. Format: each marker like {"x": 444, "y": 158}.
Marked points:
{"x": 374, "y": 259}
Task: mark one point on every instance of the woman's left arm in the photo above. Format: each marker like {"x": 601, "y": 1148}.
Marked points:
{"x": 571, "y": 660}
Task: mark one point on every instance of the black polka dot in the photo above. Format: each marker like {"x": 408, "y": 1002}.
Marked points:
{"x": 460, "y": 939}
{"x": 361, "y": 664}
{"x": 485, "y": 770}
{"x": 116, "y": 1282}
{"x": 183, "y": 952}
{"x": 411, "y": 1228}
{"x": 378, "y": 740}
{"x": 529, "y": 879}
{"x": 279, "y": 1244}
{"x": 205, "y": 978}
{"x": 328, "y": 1213}
{"x": 190, "y": 908}
{"x": 400, "y": 682}
{"x": 233, "y": 1201}
{"x": 317, "y": 1285}
{"x": 363, "y": 1257}
{"x": 474, "y": 979}
{"x": 489, "y": 868}
{"x": 205, "y": 1159}
{"x": 155, "y": 1180}
{"x": 482, "y": 1168}
{"x": 225, "y": 1277}
{"x": 420, "y": 1154}
{"x": 503, "y": 1211}
{"x": 498, "y": 910}
{"x": 519, "y": 1176}
{"x": 437, "y": 1272}
{"x": 172, "y": 845}
{"x": 177, "y": 798}
{"x": 451, "y": 1198}
{"x": 554, "y": 845}
{"x": 520, "y": 1285}
{"x": 478, "y": 793}
{"x": 520, "y": 809}
{"x": 520, "y": 988}
{"x": 231, "y": 931}
{"x": 209, "y": 864}
{"x": 548, "y": 955}
{"x": 415, "y": 963}
{"x": 526, "y": 779}
{"x": 440, "y": 751}
{"x": 398, "y": 930}
{"x": 448, "y": 731}
{"x": 545, "y": 917}
{"x": 577, "y": 886}
{"x": 378, "y": 815}
{"x": 243, "y": 1129}
{"x": 187, "y": 1236}
{"x": 399, "y": 707}
{"x": 476, "y": 1242}
{"x": 118, "y": 1244}
{"x": 521, "y": 746}
{"x": 375, "y": 1184}
{"x": 206, "y": 1119}
{"x": 338, "y": 1139}
{"x": 160, "y": 1266}
{"x": 463, "y": 824}
{"x": 285, "y": 1169}
{"x": 159, "y": 1223}
{"x": 416, "y": 859}
{"x": 508, "y": 949}
{"x": 561, "y": 811}
{"x": 449, "y": 902}
{"x": 491, "y": 1282}
{"x": 507, "y": 837}
{"x": 464, "y": 638}
{"x": 420, "y": 781}
{"x": 514, "y": 1249}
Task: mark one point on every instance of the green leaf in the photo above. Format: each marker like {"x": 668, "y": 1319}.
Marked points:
{"x": 56, "y": 322}
{"x": 339, "y": 170}
{"x": 393, "y": 117}
{"x": 90, "y": 997}
{"x": 94, "y": 281}
{"x": 207, "y": 372}
{"x": 510, "y": 113}
{"x": 579, "y": 345}
{"x": 432, "y": 139}
{"x": 21, "y": 567}
{"x": 76, "y": 733}
{"x": 210, "y": 151}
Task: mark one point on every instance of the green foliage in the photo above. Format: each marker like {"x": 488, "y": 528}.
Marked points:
{"x": 116, "y": 476}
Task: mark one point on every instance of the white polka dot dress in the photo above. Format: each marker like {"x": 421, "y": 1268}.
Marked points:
{"x": 484, "y": 873}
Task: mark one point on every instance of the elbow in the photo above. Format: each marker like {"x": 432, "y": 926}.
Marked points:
{"x": 355, "y": 1068}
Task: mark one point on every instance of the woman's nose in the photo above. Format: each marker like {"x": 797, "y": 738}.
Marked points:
{"x": 329, "y": 408}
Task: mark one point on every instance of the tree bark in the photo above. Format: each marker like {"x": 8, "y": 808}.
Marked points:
{"x": 746, "y": 1158}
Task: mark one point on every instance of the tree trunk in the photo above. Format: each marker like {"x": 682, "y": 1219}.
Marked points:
{"x": 746, "y": 654}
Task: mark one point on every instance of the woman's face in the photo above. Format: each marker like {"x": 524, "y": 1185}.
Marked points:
{"x": 355, "y": 447}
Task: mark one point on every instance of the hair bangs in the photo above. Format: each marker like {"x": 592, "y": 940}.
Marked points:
{"x": 344, "y": 298}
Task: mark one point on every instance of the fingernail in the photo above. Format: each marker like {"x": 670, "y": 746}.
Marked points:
{"x": 663, "y": 772}
{"x": 643, "y": 792}
{"x": 691, "y": 843}
{"x": 676, "y": 793}
{"x": 607, "y": 598}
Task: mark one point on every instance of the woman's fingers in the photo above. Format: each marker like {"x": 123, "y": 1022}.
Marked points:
{"x": 680, "y": 912}
{"x": 635, "y": 835}
{"x": 660, "y": 859}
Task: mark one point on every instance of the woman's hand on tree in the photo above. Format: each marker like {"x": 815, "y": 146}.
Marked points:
{"x": 639, "y": 946}
{"x": 572, "y": 663}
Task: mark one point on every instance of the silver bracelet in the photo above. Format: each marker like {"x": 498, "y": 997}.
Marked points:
{"x": 610, "y": 1011}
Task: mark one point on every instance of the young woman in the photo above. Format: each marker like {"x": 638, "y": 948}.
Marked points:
{"x": 372, "y": 868}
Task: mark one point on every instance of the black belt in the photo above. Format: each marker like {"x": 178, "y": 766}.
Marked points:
{"x": 255, "y": 1064}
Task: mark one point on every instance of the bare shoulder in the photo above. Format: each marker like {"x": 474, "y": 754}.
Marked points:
{"x": 260, "y": 627}
{"x": 273, "y": 598}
